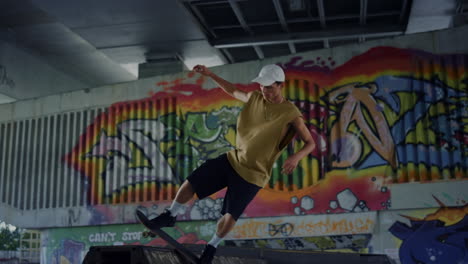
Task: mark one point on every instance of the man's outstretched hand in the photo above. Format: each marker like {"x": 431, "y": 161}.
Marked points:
{"x": 202, "y": 69}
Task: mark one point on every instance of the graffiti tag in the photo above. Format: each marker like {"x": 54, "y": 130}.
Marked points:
{"x": 102, "y": 237}
{"x": 72, "y": 218}
{"x": 4, "y": 79}
{"x": 112, "y": 236}
{"x": 285, "y": 229}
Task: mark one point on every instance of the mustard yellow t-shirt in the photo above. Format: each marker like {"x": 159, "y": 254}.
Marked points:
{"x": 260, "y": 139}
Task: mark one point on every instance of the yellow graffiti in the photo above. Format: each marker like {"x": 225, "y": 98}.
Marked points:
{"x": 263, "y": 229}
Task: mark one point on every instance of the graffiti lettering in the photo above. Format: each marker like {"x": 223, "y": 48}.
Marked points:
{"x": 102, "y": 237}
{"x": 338, "y": 227}
{"x": 126, "y": 236}
{"x": 4, "y": 79}
{"x": 72, "y": 218}
{"x": 316, "y": 225}
{"x": 354, "y": 98}
{"x": 285, "y": 229}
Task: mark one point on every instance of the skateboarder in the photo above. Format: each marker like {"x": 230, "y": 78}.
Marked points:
{"x": 265, "y": 126}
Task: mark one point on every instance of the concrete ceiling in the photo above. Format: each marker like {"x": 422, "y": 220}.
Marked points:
{"x": 103, "y": 42}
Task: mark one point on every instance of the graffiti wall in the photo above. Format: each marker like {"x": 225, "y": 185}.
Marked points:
{"x": 70, "y": 245}
{"x": 432, "y": 235}
{"x": 311, "y": 225}
{"x": 381, "y": 120}
{"x": 386, "y": 116}
{"x": 388, "y": 174}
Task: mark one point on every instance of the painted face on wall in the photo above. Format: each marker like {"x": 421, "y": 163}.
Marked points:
{"x": 272, "y": 92}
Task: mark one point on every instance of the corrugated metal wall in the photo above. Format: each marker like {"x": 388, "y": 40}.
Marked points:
{"x": 139, "y": 132}
{"x": 68, "y": 159}
{"x": 33, "y": 174}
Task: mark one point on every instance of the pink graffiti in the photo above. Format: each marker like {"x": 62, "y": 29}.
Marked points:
{"x": 354, "y": 98}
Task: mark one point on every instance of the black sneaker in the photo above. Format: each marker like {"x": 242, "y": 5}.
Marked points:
{"x": 208, "y": 254}
{"x": 163, "y": 220}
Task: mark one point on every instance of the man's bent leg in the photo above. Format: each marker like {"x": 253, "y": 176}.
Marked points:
{"x": 168, "y": 217}
{"x": 203, "y": 181}
{"x": 225, "y": 225}
{"x": 184, "y": 195}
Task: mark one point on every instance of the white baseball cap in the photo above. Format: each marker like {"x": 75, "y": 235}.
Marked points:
{"x": 270, "y": 74}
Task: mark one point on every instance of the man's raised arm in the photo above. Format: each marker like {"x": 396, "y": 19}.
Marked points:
{"x": 228, "y": 87}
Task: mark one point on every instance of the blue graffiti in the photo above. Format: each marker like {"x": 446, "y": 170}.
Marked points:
{"x": 446, "y": 125}
{"x": 431, "y": 242}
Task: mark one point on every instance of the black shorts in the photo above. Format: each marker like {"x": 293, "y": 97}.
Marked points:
{"x": 214, "y": 175}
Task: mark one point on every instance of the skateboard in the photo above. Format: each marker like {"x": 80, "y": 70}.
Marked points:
{"x": 188, "y": 255}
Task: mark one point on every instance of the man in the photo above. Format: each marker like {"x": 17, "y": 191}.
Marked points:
{"x": 265, "y": 126}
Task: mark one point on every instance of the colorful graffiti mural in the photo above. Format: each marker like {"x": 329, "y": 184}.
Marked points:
{"x": 70, "y": 245}
{"x": 69, "y": 252}
{"x": 309, "y": 225}
{"x": 438, "y": 237}
{"x": 386, "y": 116}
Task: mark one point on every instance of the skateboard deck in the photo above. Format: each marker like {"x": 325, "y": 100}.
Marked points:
{"x": 187, "y": 254}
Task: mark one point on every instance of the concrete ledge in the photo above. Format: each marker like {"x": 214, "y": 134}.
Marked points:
{"x": 425, "y": 195}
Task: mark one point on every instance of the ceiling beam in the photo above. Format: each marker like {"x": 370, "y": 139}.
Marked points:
{"x": 363, "y": 12}
{"x": 311, "y": 19}
{"x": 142, "y": 44}
{"x": 279, "y": 12}
{"x": 228, "y": 55}
{"x": 321, "y": 12}
{"x": 403, "y": 10}
{"x": 200, "y": 3}
{"x": 343, "y": 33}
{"x": 292, "y": 47}
{"x": 199, "y": 20}
{"x": 202, "y": 21}
{"x": 363, "y": 17}
{"x": 284, "y": 24}
{"x": 259, "y": 52}
{"x": 462, "y": 7}
{"x": 240, "y": 17}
